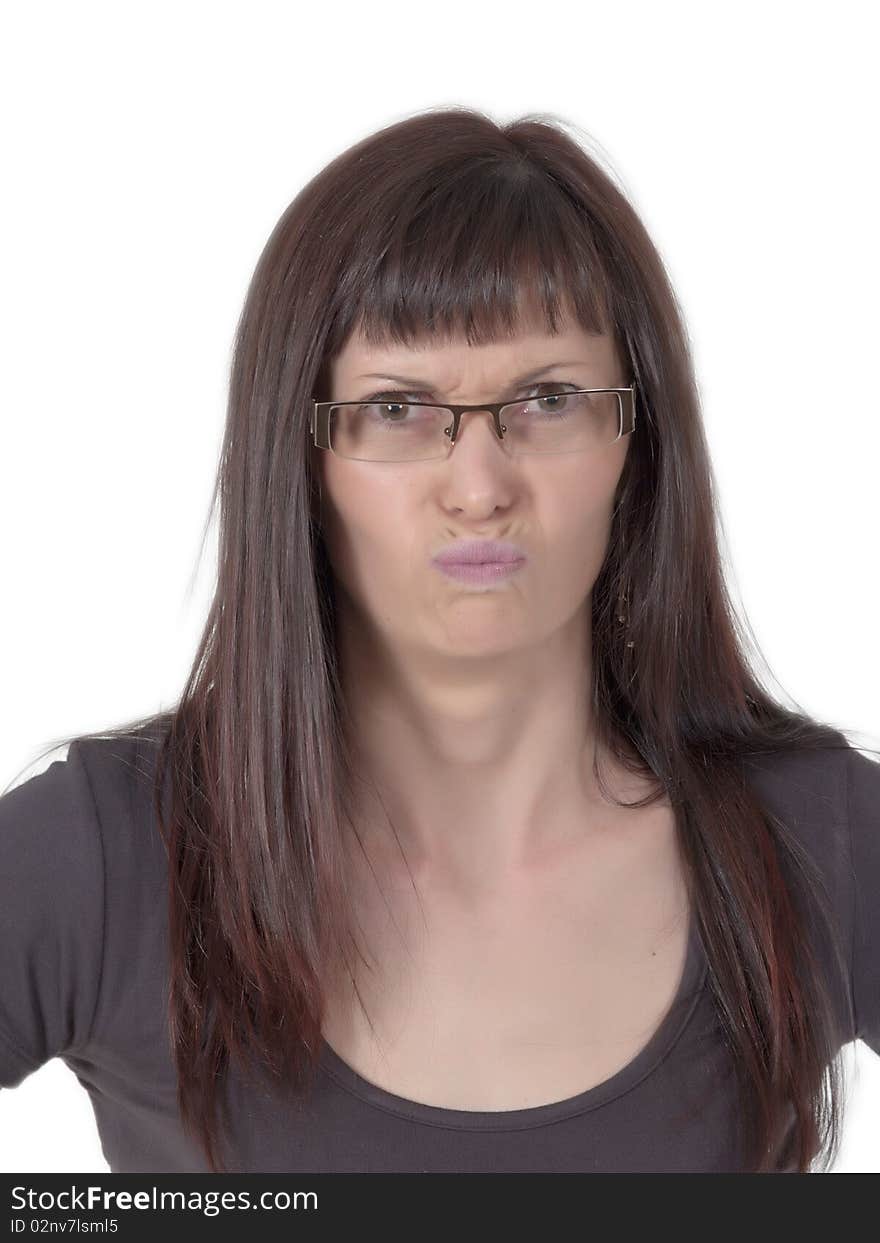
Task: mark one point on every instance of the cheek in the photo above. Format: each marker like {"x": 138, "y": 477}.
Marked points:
{"x": 577, "y": 526}
{"x": 581, "y": 499}
{"x": 365, "y": 528}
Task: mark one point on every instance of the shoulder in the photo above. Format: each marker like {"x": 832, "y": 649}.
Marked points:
{"x": 121, "y": 776}
{"x": 863, "y": 787}
{"x": 81, "y": 869}
{"x": 829, "y": 801}
{"x": 90, "y": 799}
{"x": 825, "y": 792}
{"x": 49, "y": 823}
{"x": 802, "y": 773}
{"x": 863, "y": 818}
{"x": 120, "y": 773}
{"x": 805, "y": 792}
{"x": 52, "y": 896}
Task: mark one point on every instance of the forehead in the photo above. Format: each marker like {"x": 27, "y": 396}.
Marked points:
{"x": 530, "y": 344}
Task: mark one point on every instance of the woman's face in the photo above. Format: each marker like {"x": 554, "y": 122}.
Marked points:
{"x": 383, "y": 521}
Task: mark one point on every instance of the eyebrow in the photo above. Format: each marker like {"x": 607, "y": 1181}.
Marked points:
{"x": 425, "y": 386}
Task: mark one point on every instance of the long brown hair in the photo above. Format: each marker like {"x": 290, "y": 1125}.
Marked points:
{"x": 438, "y": 225}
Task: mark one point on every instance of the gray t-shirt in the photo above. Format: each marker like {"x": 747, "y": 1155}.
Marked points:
{"x": 83, "y": 977}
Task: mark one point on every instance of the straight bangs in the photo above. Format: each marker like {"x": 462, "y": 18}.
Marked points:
{"x": 491, "y": 251}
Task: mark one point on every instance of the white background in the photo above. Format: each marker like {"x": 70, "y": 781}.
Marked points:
{"x": 149, "y": 151}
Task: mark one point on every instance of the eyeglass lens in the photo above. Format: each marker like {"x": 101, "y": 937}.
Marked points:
{"x": 390, "y": 431}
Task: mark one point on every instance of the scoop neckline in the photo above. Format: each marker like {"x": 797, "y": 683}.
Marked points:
{"x": 659, "y": 1045}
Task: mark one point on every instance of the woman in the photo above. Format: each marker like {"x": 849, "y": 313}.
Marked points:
{"x": 510, "y": 867}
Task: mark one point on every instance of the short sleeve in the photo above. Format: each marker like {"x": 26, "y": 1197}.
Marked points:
{"x": 51, "y": 916}
{"x": 863, "y": 810}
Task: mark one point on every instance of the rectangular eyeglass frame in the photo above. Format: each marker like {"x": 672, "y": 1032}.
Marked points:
{"x": 319, "y": 422}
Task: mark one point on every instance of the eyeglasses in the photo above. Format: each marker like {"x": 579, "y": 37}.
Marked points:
{"x": 571, "y": 421}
